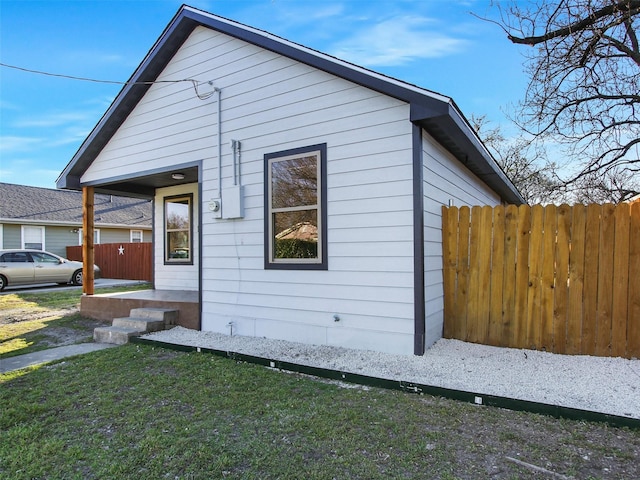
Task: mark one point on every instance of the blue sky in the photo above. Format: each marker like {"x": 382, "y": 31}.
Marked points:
{"x": 436, "y": 44}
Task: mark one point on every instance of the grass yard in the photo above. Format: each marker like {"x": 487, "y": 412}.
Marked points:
{"x": 38, "y": 320}
{"x": 143, "y": 412}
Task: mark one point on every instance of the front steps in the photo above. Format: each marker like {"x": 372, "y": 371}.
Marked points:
{"x": 139, "y": 322}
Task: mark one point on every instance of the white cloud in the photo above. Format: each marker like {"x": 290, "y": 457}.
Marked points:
{"x": 51, "y": 120}
{"x": 10, "y": 144}
{"x": 6, "y": 105}
{"x": 90, "y": 59}
{"x": 70, "y": 136}
{"x": 321, "y": 12}
{"x": 24, "y": 173}
{"x": 397, "y": 41}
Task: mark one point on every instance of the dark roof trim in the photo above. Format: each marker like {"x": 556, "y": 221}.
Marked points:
{"x": 432, "y": 111}
{"x": 451, "y": 129}
{"x": 419, "y": 307}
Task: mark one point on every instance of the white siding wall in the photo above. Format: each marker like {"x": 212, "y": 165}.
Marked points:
{"x": 445, "y": 179}
{"x": 175, "y": 277}
{"x": 271, "y": 103}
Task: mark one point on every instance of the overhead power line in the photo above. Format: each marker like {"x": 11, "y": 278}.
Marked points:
{"x": 194, "y": 82}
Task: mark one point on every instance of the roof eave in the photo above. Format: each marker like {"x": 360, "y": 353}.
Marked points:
{"x": 61, "y": 223}
{"x": 449, "y": 127}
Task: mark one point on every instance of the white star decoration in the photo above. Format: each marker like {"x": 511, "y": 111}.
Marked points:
{"x": 121, "y": 250}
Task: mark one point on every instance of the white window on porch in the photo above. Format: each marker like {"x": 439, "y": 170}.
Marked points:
{"x": 96, "y": 236}
{"x": 33, "y": 237}
{"x": 178, "y": 229}
{"x": 136, "y": 236}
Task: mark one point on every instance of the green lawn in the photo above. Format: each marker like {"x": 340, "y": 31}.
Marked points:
{"x": 144, "y": 412}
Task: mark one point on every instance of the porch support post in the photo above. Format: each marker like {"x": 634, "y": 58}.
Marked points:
{"x": 88, "y": 252}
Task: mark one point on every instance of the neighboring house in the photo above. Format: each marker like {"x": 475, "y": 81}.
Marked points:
{"x": 48, "y": 219}
{"x": 277, "y": 139}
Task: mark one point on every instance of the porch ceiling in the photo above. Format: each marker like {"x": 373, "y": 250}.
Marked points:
{"x": 146, "y": 185}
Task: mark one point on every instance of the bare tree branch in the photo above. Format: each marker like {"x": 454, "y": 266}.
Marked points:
{"x": 629, "y": 8}
{"x": 583, "y": 95}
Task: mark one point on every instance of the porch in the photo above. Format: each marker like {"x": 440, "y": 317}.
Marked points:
{"x": 106, "y": 307}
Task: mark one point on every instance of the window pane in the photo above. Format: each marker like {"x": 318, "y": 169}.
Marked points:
{"x": 33, "y": 237}
{"x": 177, "y": 212}
{"x": 96, "y": 236}
{"x": 178, "y": 245}
{"x": 296, "y": 234}
{"x": 177, "y": 229}
{"x": 44, "y": 258}
{"x": 294, "y": 182}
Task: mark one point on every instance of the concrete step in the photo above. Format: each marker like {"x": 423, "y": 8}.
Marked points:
{"x": 142, "y": 325}
{"x": 115, "y": 335}
{"x": 140, "y": 320}
{"x": 170, "y": 317}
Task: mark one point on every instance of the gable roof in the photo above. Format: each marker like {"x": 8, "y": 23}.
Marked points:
{"x": 24, "y": 204}
{"x": 435, "y": 113}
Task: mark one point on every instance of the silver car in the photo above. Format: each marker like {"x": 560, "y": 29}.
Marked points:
{"x": 24, "y": 267}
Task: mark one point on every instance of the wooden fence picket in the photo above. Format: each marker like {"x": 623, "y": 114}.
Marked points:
{"x": 496, "y": 280}
{"x": 562, "y": 277}
{"x": 576, "y": 279}
{"x": 633, "y": 309}
{"x": 590, "y": 283}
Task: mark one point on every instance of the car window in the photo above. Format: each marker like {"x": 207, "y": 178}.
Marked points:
{"x": 41, "y": 257}
{"x": 15, "y": 257}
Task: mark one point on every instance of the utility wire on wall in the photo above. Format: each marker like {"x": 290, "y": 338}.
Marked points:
{"x": 194, "y": 82}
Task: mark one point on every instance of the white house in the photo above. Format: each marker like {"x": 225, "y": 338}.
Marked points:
{"x": 299, "y": 194}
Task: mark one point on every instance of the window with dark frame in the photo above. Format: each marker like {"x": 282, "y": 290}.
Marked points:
{"x": 295, "y": 209}
{"x": 178, "y": 229}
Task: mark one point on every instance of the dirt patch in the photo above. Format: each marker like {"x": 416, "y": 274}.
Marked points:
{"x": 27, "y": 314}
{"x": 62, "y": 326}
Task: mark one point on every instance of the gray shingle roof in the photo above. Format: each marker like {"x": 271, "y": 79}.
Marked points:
{"x": 21, "y": 202}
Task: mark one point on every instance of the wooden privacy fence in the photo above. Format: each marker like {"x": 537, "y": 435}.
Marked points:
{"x": 131, "y": 261}
{"x": 562, "y": 279}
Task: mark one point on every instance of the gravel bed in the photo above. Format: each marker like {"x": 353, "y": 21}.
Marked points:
{"x": 605, "y": 385}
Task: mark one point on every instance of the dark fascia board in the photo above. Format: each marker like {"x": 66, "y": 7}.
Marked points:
{"x": 429, "y": 109}
{"x": 454, "y": 133}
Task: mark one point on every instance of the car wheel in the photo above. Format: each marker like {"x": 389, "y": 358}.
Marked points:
{"x": 3, "y": 283}
{"x": 76, "y": 279}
